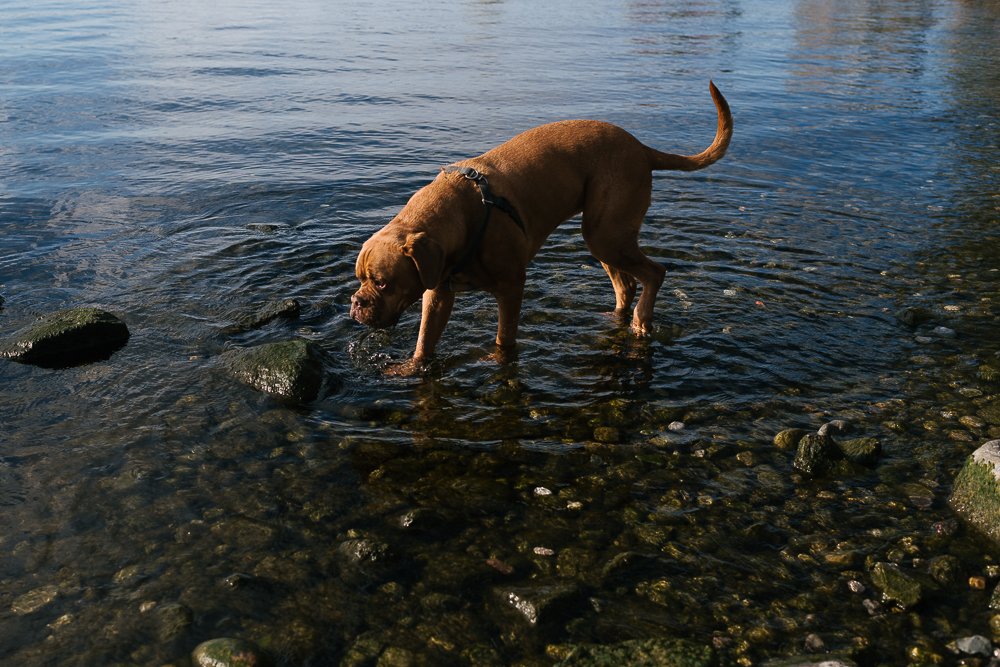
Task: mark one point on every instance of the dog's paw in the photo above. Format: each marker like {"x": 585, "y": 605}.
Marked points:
{"x": 406, "y": 368}
{"x": 502, "y": 355}
{"x": 642, "y": 329}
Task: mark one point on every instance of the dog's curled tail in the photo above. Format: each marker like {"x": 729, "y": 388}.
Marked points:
{"x": 713, "y": 153}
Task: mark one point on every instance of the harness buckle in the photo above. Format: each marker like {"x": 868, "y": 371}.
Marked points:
{"x": 471, "y": 174}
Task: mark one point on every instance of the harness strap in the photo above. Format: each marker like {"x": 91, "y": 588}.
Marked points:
{"x": 490, "y": 201}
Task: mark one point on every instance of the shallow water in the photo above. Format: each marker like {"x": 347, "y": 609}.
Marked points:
{"x": 180, "y": 163}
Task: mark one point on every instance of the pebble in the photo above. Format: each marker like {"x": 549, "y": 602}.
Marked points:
{"x": 34, "y": 600}
{"x": 944, "y": 332}
{"x": 542, "y": 491}
{"x": 676, "y": 426}
{"x": 837, "y": 426}
{"x": 975, "y": 645}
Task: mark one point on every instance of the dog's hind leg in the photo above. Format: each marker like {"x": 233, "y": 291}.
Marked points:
{"x": 624, "y": 285}
{"x": 612, "y": 217}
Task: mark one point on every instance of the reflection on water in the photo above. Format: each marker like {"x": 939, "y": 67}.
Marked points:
{"x": 181, "y": 163}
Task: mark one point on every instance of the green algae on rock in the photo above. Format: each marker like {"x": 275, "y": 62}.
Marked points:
{"x": 228, "y": 652}
{"x": 291, "y": 369}
{"x": 896, "y": 585}
{"x": 635, "y": 652}
{"x": 67, "y": 338}
{"x": 976, "y": 496}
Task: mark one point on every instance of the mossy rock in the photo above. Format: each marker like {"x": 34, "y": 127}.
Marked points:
{"x": 976, "y": 495}
{"x": 896, "y": 585}
{"x": 990, "y": 412}
{"x": 635, "y": 653}
{"x": 290, "y": 369}
{"x": 228, "y": 652}
{"x": 864, "y": 451}
{"x": 67, "y": 338}
{"x": 789, "y": 438}
{"x": 816, "y": 454}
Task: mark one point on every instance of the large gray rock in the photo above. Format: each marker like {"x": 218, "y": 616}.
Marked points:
{"x": 291, "y": 369}
{"x": 67, "y": 338}
{"x": 976, "y": 495}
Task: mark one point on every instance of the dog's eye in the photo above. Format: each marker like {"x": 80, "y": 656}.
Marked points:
{"x": 381, "y": 285}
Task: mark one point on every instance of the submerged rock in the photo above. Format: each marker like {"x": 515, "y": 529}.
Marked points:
{"x": 914, "y": 316}
{"x": 228, "y": 652}
{"x": 635, "y": 653}
{"x": 542, "y": 604}
{"x": 817, "y": 660}
{"x": 976, "y": 496}
{"x": 34, "y": 600}
{"x": 291, "y": 369}
{"x": 896, "y": 585}
{"x": 985, "y": 372}
{"x": 67, "y": 338}
{"x": 789, "y": 438}
{"x": 864, "y": 451}
{"x": 288, "y": 309}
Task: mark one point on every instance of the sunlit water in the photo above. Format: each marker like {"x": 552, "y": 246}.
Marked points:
{"x": 180, "y": 163}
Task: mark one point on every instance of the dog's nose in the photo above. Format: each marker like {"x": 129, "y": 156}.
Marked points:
{"x": 358, "y": 301}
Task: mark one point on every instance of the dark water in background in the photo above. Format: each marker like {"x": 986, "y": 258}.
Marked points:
{"x": 180, "y": 163}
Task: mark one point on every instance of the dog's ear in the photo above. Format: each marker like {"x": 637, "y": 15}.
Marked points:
{"x": 428, "y": 255}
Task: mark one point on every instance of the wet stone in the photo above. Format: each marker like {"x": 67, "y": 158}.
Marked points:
{"x": 976, "y": 493}
{"x": 542, "y": 604}
{"x": 896, "y": 585}
{"x": 863, "y": 451}
{"x": 34, "y": 600}
{"x": 67, "y": 338}
{"x": 173, "y": 620}
{"x": 228, "y": 652}
{"x": 975, "y": 645}
{"x": 789, "y": 438}
{"x": 817, "y": 660}
{"x": 835, "y": 427}
{"x": 287, "y": 309}
{"x": 990, "y": 412}
{"x": 291, "y": 369}
{"x": 815, "y": 454}
{"x": 989, "y": 373}
{"x": 914, "y": 316}
{"x": 635, "y": 653}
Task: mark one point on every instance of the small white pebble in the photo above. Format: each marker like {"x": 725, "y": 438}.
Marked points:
{"x": 944, "y": 332}
{"x": 543, "y": 551}
{"x": 574, "y": 505}
{"x": 676, "y": 426}
{"x": 856, "y": 586}
{"x": 542, "y": 491}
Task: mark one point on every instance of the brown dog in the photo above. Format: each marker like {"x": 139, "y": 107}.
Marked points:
{"x": 456, "y": 234}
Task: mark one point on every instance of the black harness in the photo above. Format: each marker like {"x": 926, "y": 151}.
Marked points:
{"x": 490, "y": 201}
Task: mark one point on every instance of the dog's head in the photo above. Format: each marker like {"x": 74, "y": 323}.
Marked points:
{"x": 394, "y": 271}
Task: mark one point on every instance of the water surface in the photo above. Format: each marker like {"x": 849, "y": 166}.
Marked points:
{"x": 181, "y": 163}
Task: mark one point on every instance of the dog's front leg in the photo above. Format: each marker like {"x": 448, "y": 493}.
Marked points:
{"x": 509, "y": 312}
{"x": 436, "y": 309}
